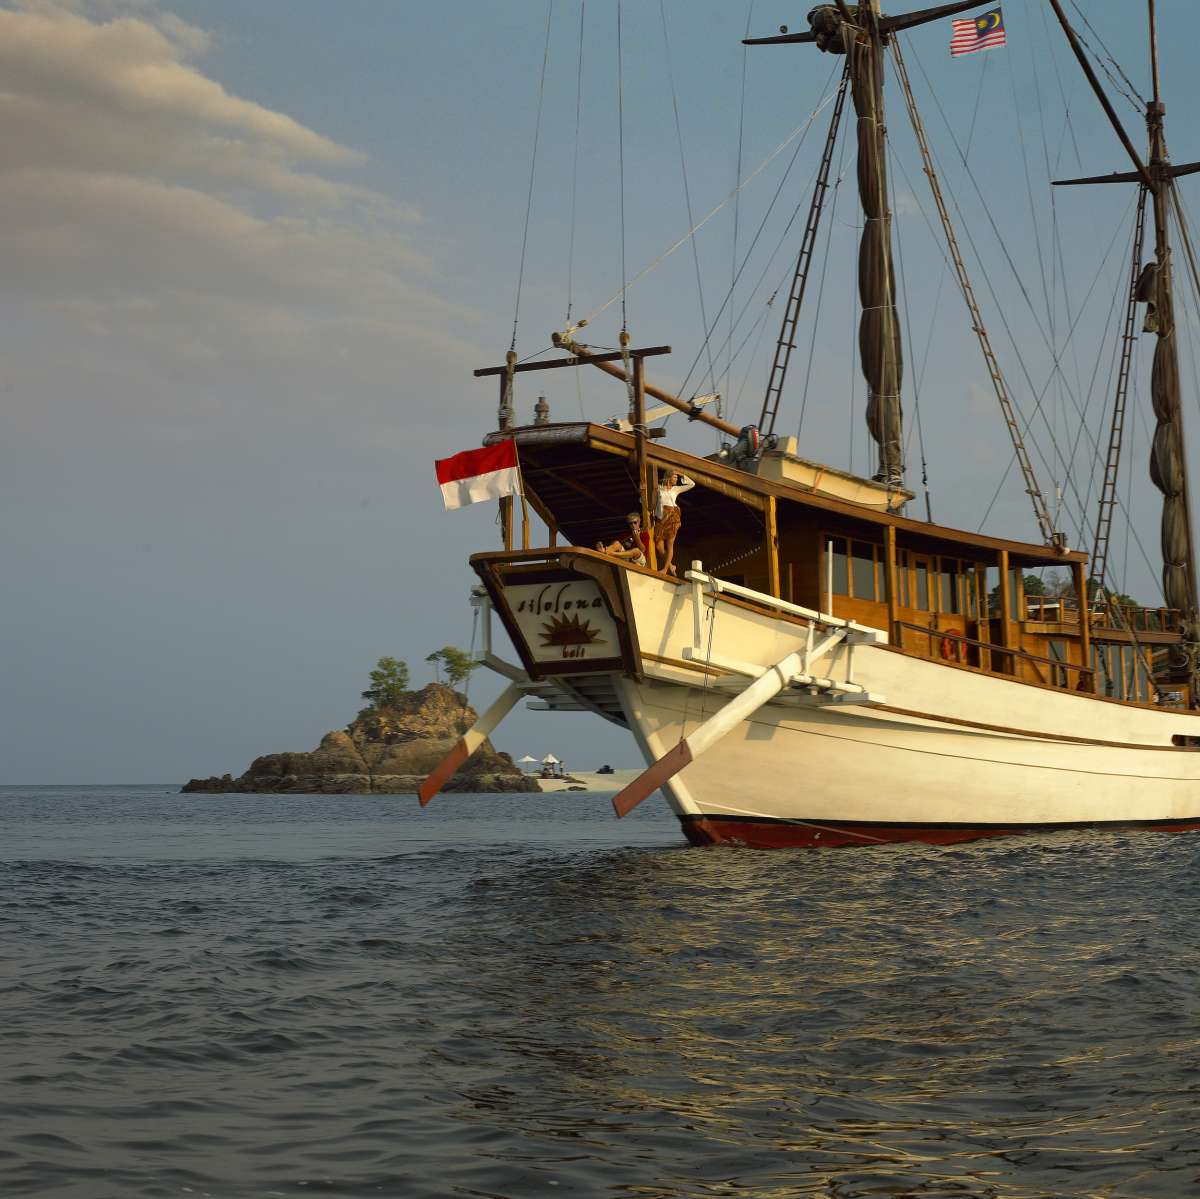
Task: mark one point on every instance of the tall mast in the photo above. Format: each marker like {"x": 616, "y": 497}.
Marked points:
{"x": 1168, "y": 459}
{"x": 860, "y": 32}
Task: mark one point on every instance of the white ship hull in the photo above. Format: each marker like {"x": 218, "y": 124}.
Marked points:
{"x": 882, "y": 746}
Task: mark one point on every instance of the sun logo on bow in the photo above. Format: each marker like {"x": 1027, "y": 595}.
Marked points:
{"x": 569, "y": 630}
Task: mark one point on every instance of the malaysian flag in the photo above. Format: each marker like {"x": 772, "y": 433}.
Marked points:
{"x": 979, "y": 33}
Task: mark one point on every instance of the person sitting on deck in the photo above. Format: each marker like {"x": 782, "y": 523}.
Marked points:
{"x": 632, "y": 548}
{"x": 667, "y": 518}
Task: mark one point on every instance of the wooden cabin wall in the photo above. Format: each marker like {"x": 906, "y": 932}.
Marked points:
{"x": 799, "y": 557}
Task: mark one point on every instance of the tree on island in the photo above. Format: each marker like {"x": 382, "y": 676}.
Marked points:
{"x": 389, "y": 683}
{"x": 457, "y": 664}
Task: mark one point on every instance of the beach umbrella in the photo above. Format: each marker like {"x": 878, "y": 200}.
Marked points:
{"x": 526, "y": 758}
{"x": 549, "y": 760}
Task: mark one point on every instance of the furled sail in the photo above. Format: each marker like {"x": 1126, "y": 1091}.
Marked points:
{"x": 1167, "y": 468}
{"x": 879, "y": 327}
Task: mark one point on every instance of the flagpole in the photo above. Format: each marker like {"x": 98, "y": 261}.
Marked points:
{"x": 521, "y": 493}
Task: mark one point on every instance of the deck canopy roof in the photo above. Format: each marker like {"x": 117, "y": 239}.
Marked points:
{"x": 584, "y": 476}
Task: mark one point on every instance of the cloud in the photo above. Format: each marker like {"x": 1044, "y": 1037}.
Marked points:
{"x": 142, "y": 202}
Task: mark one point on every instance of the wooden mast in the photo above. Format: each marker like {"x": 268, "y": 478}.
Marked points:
{"x": 1168, "y": 464}
{"x": 1168, "y": 458}
{"x": 861, "y": 32}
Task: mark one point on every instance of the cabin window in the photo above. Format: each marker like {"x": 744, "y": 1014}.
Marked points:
{"x": 837, "y": 566}
{"x": 949, "y": 599}
{"x": 1016, "y": 594}
{"x": 902, "y": 578}
{"x": 864, "y": 573}
{"x": 921, "y": 585}
{"x": 855, "y": 568}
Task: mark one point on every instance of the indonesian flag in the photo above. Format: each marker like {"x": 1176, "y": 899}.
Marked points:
{"x": 475, "y": 475}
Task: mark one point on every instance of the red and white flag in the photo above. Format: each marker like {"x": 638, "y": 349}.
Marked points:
{"x": 977, "y": 33}
{"x": 474, "y": 475}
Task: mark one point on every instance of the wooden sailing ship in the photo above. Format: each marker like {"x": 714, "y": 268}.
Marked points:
{"x": 830, "y": 670}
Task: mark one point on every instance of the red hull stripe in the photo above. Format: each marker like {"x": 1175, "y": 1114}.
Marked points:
{"x": 815, "y": 834}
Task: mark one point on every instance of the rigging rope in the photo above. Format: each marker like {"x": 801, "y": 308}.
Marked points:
{"x": 759, "y": 281}
{"x": 1083, "y": 525}
{"x": 1039, "y": 409}
{"x": 819, "y": 306}
{"x": 737, "y": 174}
{"x": 621, "y": 160}
{"x": 916, "y": 386}
{"x": 762, "y": 166}
{"x": 1123, "y": 84}
{"x": 763, "y": 223}
{"x": 575, "y": 170}
{"x": 537, "y": 132}
{"x": 687, "y": 195}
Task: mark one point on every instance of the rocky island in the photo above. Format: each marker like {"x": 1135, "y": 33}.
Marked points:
{"x": 386, "y": 750}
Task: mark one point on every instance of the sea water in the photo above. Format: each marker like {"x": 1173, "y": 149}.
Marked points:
{"x": 512, "y": 996}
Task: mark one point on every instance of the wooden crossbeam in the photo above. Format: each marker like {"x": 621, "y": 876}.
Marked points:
{"x": 555, "y": 363}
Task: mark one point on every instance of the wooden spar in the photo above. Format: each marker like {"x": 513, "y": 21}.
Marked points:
{"x": 1077, "y": 49}
{"x": 606, "y": 363}
{"x": 558, "y": 363}
{"x": 469, "y": 742}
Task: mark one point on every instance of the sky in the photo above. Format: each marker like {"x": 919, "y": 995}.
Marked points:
{"x": 251, "y": 253}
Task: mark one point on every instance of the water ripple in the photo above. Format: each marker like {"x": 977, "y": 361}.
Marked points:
{"x": 475, "y": 1016}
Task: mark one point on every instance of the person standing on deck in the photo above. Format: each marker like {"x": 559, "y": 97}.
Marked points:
{"x": 667, "y": 518}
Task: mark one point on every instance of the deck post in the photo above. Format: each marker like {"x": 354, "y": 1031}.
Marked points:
{"x": 504, "y": 422}
{"x": 981, "y": 615}
{"x": 772, "y": 530}
{"x": 889, "y": 582}
{"x": 637, "y": 418}
{"x": 1006, "y": 635}
{"x": 1087, "y": 676}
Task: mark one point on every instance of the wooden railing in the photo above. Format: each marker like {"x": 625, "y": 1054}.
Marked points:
{"x": 1140, "y": 620}
{"x": 1065, "y": 610}
{"x": 992, "y": 659}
